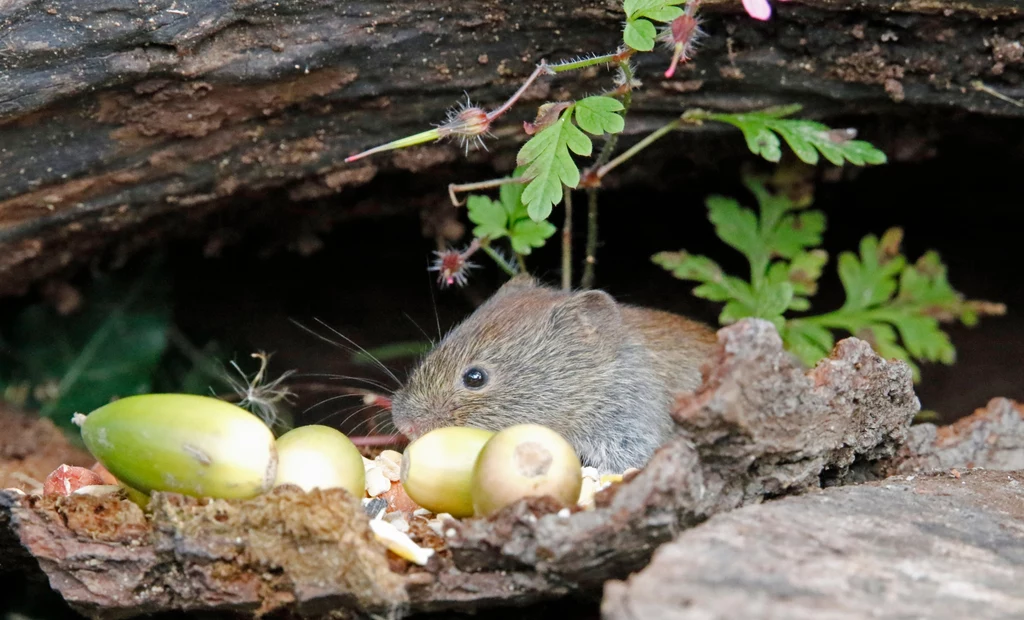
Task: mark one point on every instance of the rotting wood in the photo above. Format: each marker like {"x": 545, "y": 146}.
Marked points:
{"x": 925, "y": 546}
{"x": 775, "y": 436}
{"x": 129, "y": 122}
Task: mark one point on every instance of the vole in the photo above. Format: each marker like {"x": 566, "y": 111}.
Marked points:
{"x": 601, "y": 373}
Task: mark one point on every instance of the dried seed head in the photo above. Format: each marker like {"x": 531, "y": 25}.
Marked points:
{"x": 468, "y": 123}
{"x": 451, "y": 266}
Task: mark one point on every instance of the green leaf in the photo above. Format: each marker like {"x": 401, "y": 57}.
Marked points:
{"x": 795, "y": 233}
{"x": 806, "y": 138}
{"x": 652, "y": 9}
{"x": 108, "y": 348}
{"x": 511, "y": 196}
{"x": 871, "y": 280}
{"x": 734, "y": 311}
{"x": 897, "y": 308}
{"x": 805, "y": 270}
{"x": 807, "y": 341}
{"x": 773, "y": 299}
{"x": 640, "y": 35}
{"x": 735, "y": 225}
{"x": 599, "y": 115}
{"x": 924, "y": 339}
{"x": 550, "y": 165}
{"x": 490, "y": 217}
{"x": 527, "y": 234}
{"x": 663, "y": 14}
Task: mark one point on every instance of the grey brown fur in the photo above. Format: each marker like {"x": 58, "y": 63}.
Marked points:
{"x": 602, "y": 374}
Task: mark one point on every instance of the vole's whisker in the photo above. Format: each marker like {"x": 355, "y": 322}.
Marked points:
{"x": 377, "y": 384}
{"x": 433, "y": 304}
{"x": 347, "y": 417}
{"x": 343, "y": 347}
{"x": 327, "y": 400}
{"x": 354, "y": 430}
{"x": 422, "y": 331}
{"x": 364, "y": 351}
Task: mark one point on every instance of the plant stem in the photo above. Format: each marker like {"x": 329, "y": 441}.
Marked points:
{"x": 583, "y": 64}
{"x": 468, "y": 187}
{"x": 498, "y": 259}
{"x": 639, "y": 146}
{"x": 590, "y": 263}
{"x": 567, "y": 242}
{"x": 541, "y": 69}
{"x": 522, "y": 262}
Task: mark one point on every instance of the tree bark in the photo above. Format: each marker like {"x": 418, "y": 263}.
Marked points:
{"x": 126, "y": 122}
{"x": 761, "y": 427}
{"x": 310, "y": 554}
{"x": 927, "y": 546}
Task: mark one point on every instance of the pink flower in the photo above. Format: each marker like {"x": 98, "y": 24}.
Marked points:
{"x": 758, "y": 9}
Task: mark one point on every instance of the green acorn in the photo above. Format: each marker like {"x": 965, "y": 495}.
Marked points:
{"x": 182, "y": 443}
{"x": 317, "y": 456}
{"x": 437, "y": 469}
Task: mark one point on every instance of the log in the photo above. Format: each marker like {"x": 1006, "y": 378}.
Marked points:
{"x": 760, "y": 427}
{"x": 123, "y": 123}
{"x": 926, "y": 546}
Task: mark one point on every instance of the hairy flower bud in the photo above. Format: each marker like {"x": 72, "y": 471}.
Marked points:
{"x": 468, "y": 123}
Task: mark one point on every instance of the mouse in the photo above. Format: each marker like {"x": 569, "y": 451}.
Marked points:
{"x": 601, "y": 373}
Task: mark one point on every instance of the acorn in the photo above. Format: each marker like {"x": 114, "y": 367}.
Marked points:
{"x": 437, "y": 468}
{"x": 317, "y": 456}
{"x": 182, "y": 443}
{"x": 526, "y": 460}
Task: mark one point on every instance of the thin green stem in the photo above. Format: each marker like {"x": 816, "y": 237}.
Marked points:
{"x": 567, "y": 242}
{"x": 639, "y": 146}
{"x": 589, "y": 264}
{"x": 499, "y": 260}
{"x": 583, "y": 64}
{"x": 522, "y": 262}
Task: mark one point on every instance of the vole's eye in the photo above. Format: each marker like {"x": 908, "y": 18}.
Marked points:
{"x": 474, "y": 378}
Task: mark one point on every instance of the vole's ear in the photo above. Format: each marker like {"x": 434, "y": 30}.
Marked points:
{"x": 521, "y": 282}
{"x": 594, "y": 311}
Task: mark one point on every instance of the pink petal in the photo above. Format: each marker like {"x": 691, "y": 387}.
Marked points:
{"x": 758, "y": 9}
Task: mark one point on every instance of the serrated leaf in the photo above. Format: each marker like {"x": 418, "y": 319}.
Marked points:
{"x": 799, "y": 304}
{"x": 870, "y": 280}
{"x": 795, "y": 233}
{"x": 806, "y": 138}
{"x": 735, "y": 225}
{"x": 805, "y": 270}
{"x": 527, "y": 234}
{"x": 686, "y": 266}
{"x": 549, "y": 165}
{"x": 734, "y": 311}
{"x": 490, "y": 217}
{"x": 599, "y": 115}
{"x": 773, "y": 299}
{"x": 807, "y": 341}
{"x": 882, "y": 338}
{"x": 923, "y": 338}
